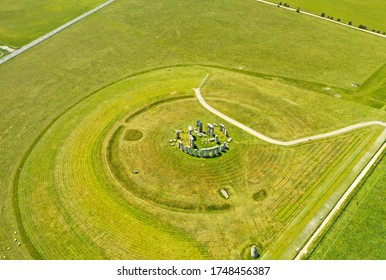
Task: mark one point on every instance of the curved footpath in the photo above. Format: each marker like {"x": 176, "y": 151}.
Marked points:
{"x": 350, "y": 189}
{"x": 53, "y": 32}
{"x": 278, "y": 142}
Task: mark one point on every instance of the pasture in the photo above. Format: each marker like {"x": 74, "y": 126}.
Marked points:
{"x": 358, "y": 232}
{"x": 370, "y": 13}
{"x": 66, "y": 168}
{"x": 24, "y": 21}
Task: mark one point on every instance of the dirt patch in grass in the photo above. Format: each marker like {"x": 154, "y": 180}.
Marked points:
{"x": 260, "y": 195}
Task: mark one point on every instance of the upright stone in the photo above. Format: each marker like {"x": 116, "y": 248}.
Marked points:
{"x": 217, "y": 149}
{"x": 254, "y": 252}
{"x": 216, "y": 138}
{"x": 221, "y": 127}
{"x": 210, "y": 129}
{"x": 200, "y": 127}
{"x": 213, "y": 151}
{"x": 225, "y": 132}
{"x": 177, "y": 134}
{"x": 207, "y": 152}
{"x": 191, "y": 140}
{"x": 195, "y": 152}
{"x": 201, "y": 152}
{"x": 186, "y": 149}
{"x": 222, "y": 147}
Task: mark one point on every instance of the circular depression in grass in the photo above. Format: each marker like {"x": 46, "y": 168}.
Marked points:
{"x": 133, "y": 135}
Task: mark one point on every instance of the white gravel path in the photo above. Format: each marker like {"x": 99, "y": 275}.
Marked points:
{"x": 53, "y": 32}
{"x": 278, "y": 142}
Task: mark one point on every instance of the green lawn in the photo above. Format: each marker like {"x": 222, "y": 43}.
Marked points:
{"x": 369, "y": 13}
{"x": 42, "y": 85}
{"x": 23, "y": 21}
{"x": 82, "y": 175}
{"x": 359, "y": 231}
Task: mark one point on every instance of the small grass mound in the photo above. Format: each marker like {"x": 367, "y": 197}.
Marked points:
{"x": 133, "y": 135}
{"x": 260, "y": 195}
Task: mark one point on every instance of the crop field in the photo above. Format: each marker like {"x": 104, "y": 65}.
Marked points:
{"x": 88, "y": 115}
{"x": 23, "y": 21}
{"x": 358, "y": 232}
{"x": 370, "y": 13}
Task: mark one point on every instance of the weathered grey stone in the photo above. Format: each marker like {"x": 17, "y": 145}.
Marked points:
{"x": 221, "y": 127}
{"x": 201, "y": 153}
{"x": 254, "y": 252}
{"x": 195, "y": 152}
{"x": 216, "y": 138}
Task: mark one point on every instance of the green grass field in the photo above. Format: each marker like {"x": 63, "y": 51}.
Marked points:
{"x": 69, "y": 104}
{"x": 369, "y": 13}
{"x": 23, "y": 21}
{"x": 358, "y": 233}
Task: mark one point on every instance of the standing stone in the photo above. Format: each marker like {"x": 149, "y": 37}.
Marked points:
{"x": 254, "y": 252}
{"x": 216, "y": 138}
{"x": 190, "y": 130}
{"x": 190, "y": 151}
{"x": 217, "y": 149}
{"x": 201, "y": 152}
{"x": 186, "y": 148}
{"x": 207, "y": 152}
{"x": 195, "y": 152}
{"x": 225, "y": 132}
{"x": 177, "y": 134}
{"x": 191, "y": 140}
{"x": 221, "y": 127}
{"x": 200, "y": 127}
{"x": 213, "y": 152}
{"x": 210, "y": 129}
{"x": 222, "y": 147}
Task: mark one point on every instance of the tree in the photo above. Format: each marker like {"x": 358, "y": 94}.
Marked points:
{"x": 323, "y": 14}
{"x": 338, "y": 19}
{"x": 298, "y": 10}
{"x": 350, "y": 23}
{"x": 361, "y": 26}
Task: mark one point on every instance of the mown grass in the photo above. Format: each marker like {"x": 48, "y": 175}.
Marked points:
{"x": 369, "y": 13}
{"x": 23, "y": 21}
{"x": 281, "y": 110}
{"x": 43, "y": 83}
{"x": 77, "y": 196}
{"x": 359, "y": 232}
{"x": 3, "y": 52}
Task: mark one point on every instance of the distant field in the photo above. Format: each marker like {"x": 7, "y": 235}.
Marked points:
{"x": 67, "y": 104}
{"x": 369, "y": 13}
{"x": 23, "y": 21}
{"x": 360, "y": 230}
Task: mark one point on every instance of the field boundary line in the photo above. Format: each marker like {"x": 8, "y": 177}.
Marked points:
{"x": 278, "y": 142}
{"x": 341, "y": 202}
{"x": 52, "y": 33}
{"x": 323, "y": 18}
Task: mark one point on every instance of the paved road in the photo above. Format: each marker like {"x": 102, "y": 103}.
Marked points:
{"x": 305, "y": 248}
{"x": 278, "y": 142}
{"x": 53, "y": 32}
{"x": 324, "y": 18}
